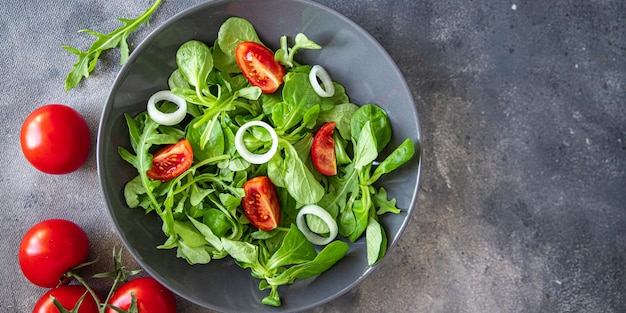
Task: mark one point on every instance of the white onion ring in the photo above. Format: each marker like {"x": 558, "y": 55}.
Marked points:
{"x": 317, "y": 71}
{"x": 318, "y": 211}
{"x": 252, "y": 157}
{"x": 167, "y": 119}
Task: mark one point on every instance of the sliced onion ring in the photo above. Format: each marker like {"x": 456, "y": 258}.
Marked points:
{"x": 252, "y": 157}
{"x": 314, "y": 209}
{"x": 317, "y": 71}
{"x": 167, "y": 119}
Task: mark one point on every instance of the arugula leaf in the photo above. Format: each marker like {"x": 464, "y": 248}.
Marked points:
{"x": 87, "y": 60}
{"x": 383, "y": 204}
{"x": 143, "y": 134}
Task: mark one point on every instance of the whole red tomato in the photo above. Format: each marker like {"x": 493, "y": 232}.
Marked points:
{"x": 51, "y": 248}
{"x": 68, "y": 297}
{"x": 150, "y": 295}
{"x": 55, "y": 139}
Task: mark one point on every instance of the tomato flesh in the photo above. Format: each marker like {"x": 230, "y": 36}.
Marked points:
{"x": 151, "y": 297}
{"x": 49, "y": 249}
{"x": 67, "y": 296}
{"x": 55, "y": 139}
{"x": 323, "y": 150}
{"x": 171, "y": 161}
{"x": 258, "y": 65}
{"x": 260, "y": 204}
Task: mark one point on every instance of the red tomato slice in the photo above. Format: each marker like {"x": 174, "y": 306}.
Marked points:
{"x": 68, "y": 297}
{"x": 258, "y": 65}
{"x": 323, "y": 150}
{"x": 171, "y": 161}
{"x": 151, "y": 297}
{"x": 260, "y": 204}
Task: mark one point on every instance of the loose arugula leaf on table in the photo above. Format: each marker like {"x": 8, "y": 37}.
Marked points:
{"x": 87, "y": 60}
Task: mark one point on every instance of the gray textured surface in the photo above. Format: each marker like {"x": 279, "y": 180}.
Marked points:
{"x": 523, "y": 200}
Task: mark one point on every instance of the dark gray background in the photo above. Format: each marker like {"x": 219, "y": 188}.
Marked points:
{"x": 522, "y": 103}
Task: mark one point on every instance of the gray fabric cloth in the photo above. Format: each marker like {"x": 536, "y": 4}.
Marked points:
{"x": 522, "y": 207}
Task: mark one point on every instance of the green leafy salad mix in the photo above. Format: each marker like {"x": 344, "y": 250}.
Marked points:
{"x": 201, "y": 208}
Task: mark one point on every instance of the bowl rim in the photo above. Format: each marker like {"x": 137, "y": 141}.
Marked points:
{"x": 145, "y": 42}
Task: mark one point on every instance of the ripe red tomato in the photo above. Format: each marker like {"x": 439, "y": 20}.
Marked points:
{"x": 258, "y": 65}
{"x": 323, "y": 150}
{"x": 171, "y": 161}
{"x": 55, "y": 139}
{"x": 150, "y": 295}
{"x": 260, "y": 204}
{"x": 49, "y": 249}
{"x": 67, "y": 296}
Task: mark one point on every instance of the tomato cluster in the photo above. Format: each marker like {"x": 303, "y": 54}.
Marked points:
{"x": 49, "y": 254}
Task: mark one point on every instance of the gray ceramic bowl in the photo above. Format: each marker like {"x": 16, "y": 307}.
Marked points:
{"x": 351, "y": 56}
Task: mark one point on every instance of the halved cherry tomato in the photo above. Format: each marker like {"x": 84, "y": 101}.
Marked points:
{"x": 171, "y": 161}
{"x": 260, "y": 204}
{"x": 49, "y": 249}
{"x": 258, "y": 65}
{"x": 55, "y": 139}
{"x": 68, "y": 297}
{"x": 151, "y": 297}
{"x": 323, "y": 150}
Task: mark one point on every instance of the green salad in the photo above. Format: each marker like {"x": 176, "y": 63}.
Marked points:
{"x": 252, "y": 155}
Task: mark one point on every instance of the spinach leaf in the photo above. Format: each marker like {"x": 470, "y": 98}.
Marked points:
{"x": 208, "y": 234}
{"x": 193, "y": 255}
{"x": 295, "y": 249}
{"x": 246, "y": 254}
{"x": 402, "y": 154}
{"x": 234, "y": 31}
{"x": 225, "y": 63}
{"x": 195, "y": 62}
{"x": 376, "y": 241}
{"x": 365, "y": 148}
{"x": 341, "y": 114}
{"x": 207, "y": 139}
{"x": 219, "y": 222}
{"x": 361, "y": 210}
{"x": 298, "y": 179}
{"x": 379, "y": 123}
{"x": 298, "y": 97}
{"x": 325, "y": 259}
